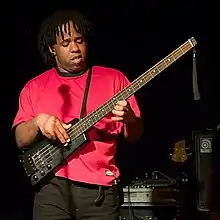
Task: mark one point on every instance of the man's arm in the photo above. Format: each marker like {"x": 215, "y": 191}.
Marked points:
{"x": 133, "y": 130}
{"x": 26, "y": 133}
{"x": 127, "y": 112}
{"x": 43, "y": 124}
{"x": 28, "y": 126}
{"x": 24, "y": 125}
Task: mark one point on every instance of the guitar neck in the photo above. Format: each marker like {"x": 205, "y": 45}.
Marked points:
{"x": 85, "y": 123}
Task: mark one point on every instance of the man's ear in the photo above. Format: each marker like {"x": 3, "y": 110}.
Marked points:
{"x": 51, "y": 49}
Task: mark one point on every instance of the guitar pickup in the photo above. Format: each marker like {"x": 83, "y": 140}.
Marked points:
{"x": 40, "y": 160}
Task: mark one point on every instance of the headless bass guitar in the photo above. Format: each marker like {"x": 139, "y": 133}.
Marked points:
{"x": 41, "y": 159}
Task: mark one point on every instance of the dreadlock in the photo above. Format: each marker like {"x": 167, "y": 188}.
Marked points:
{"x": 51, "y": 26}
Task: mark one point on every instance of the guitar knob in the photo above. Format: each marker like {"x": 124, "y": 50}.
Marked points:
{"x": 35, "y": 177}
{"x": 42, "y": 172}
{"x": 49, "y": 166}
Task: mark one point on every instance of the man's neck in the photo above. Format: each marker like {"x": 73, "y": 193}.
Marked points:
{"x": 70, "y": 74}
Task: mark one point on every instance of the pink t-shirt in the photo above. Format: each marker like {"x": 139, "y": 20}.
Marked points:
{"x": 62, "y": 97}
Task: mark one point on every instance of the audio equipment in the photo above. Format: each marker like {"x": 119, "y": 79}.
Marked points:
{"x": 203, "y": 146}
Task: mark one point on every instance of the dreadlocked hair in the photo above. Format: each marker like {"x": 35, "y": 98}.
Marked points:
{"x": 51, "y": 26}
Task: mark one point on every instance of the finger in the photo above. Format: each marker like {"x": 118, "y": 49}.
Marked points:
{"x": 118, "y": 113}
{"x": 66, "y": 126}
{"x": 117, "y": 119}
{"x": 63, "y": 136}
{"x": 122, "y": 103}
{"x": 60, "y": 136}
{"x": 49, "y": 134}
{"x": 64, "y": 133}
{"x": 120, "y": 108}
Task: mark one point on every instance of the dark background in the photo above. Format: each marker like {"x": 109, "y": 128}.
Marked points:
{"x": 132, "y": 37}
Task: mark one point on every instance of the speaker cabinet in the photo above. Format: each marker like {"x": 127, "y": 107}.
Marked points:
{"x": 203, "y": 147}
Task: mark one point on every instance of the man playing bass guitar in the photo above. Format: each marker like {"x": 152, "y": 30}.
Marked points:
{"x": 82, "y": 186}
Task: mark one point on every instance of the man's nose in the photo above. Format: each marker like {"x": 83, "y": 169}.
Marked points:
{"x": 74, "y": 47}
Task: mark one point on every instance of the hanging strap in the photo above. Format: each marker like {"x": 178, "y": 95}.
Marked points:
{"x": 196, "y": 94}
{"x": 86, "y": 93}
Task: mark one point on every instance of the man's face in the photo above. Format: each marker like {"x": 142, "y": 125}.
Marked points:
{"x": 70, "y": 51}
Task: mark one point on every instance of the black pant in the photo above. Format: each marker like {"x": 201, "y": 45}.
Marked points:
{"x": 62, "y": 199}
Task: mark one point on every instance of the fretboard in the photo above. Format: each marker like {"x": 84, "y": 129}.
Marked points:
{"x": 88, "y": 121}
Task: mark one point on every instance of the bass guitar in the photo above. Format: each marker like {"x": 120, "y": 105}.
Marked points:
{"x": 41, "y": 159}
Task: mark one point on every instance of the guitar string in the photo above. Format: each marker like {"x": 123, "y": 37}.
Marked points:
{"x": 72, "y": 128}
{"x": 53, "y": 152}
{"x": 45, "y": 149}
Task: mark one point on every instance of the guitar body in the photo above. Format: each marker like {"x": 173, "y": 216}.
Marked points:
{"x": 41, "y": 159}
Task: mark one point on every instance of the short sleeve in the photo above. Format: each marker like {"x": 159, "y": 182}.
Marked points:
{"x": 25, "y": 111}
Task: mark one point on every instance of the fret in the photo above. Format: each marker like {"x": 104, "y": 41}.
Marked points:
{"x": 181, "y": 50}
{"x": 169, "y": 60}
{"x": 85, "y": 123}
{"x": 135, "y": 87}
{"x": 177, "y": 55}
{"x": 162, "y": 66}
{"x": 173, "y": 59}
{"x": 154, "y": 72}
{"x": 157, "y": 69}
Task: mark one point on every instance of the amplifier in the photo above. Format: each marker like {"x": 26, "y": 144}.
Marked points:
{"x": 150, "y": 192}
{"x": 203, "y": 145}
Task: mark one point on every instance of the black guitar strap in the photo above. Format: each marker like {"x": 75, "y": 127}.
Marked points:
{"x": 86, "y": 93}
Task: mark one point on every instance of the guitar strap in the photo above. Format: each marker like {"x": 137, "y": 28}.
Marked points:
{"x": 86, "y": 93}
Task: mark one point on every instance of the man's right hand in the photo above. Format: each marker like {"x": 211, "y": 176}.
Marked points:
{"x": 51, "y": 127}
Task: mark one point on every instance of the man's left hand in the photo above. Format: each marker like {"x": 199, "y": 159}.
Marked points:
{"x": 123, "y": 112}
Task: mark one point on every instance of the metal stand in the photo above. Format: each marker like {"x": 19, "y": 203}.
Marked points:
{"x": 180, "y": 180}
